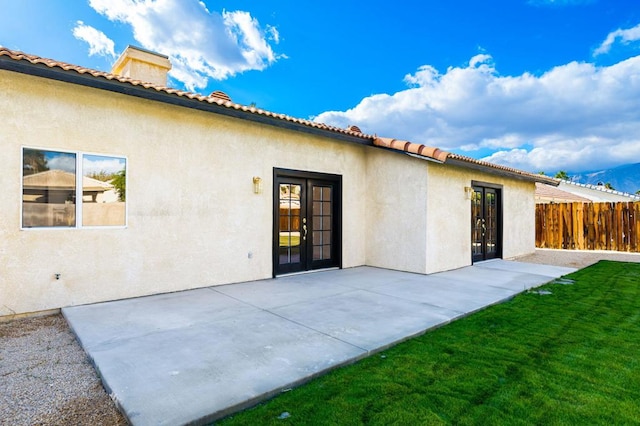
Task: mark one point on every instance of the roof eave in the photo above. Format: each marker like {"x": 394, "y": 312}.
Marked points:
{"x": 97, "y": 82}
{"x": 487, "y": 168}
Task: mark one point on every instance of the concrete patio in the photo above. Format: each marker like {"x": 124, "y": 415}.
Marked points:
{"x": 199, "y": 355}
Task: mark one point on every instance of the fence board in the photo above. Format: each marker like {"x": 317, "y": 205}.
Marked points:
{"x": 589, "y": 226}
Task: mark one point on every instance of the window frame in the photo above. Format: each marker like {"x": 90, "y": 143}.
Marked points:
{"x": 79, "y": 190}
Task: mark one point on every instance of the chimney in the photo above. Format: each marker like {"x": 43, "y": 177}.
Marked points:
{"x": 141, "y": 64}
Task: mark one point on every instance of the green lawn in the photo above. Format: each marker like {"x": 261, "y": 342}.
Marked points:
{"x": 569, "y": 358}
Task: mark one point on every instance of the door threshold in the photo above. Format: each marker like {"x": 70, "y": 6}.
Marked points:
{"x": 290, "y": 274}
{"x": 487, "y": 260}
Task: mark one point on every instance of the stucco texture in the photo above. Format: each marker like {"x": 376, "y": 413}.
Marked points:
{"x": 193, "y": 218}
{"x": 449, "y": 216}
{"x": 396, "y": 211}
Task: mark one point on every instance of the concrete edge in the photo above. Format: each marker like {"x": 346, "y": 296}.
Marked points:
{"x": 267, "y": 396}
{"x": 92, "y": 361}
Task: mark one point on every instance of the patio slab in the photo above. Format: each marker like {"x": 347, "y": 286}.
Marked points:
{"x": 195, "y": 356}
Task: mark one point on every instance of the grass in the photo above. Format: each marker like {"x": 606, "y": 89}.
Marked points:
{"x": 572, "y": 357}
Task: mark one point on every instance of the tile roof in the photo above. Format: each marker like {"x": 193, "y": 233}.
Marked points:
{"x": 413, "y": 148}
{"x": 61, "y": 180}
{"x": 217, "y": 97}
{"x": 552, "y": 194}
{"x": 448, "y": 157}
{"x": 220, "y": 95}
{"x": 222, "y": 100}
{"x": 509, "y": 170}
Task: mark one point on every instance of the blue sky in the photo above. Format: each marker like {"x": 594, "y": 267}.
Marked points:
{"x": 532, "y": 84}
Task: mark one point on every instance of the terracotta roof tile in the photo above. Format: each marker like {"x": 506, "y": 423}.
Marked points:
{"x": 224, "y": 101}
{"x": 220, "y": 95}
{"x": 443, "y": 156}
{"x": 539, "y": 178}
{"x": 413, "y": 148}
{"x": 37, "y": 60}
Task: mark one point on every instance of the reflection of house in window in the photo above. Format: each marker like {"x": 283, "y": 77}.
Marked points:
{"x": 49, "y": 199}
{"x": 59, "y": 187}
{"x": 95, "y": 191}
{"x": 51, "y": 189}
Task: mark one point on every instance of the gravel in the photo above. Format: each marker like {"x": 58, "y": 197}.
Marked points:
{"x": 576, "y": 258}
{"x": 46, "y": 378}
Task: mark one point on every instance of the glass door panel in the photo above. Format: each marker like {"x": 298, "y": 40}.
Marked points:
{"x": 306, "y": 222}
{"x": 290, "y": 224}
{"x": 491, "y": 223}
{"x": 321, "y": 219}
{"x": 476, "y": 223}
{"x": 485, "y": 223}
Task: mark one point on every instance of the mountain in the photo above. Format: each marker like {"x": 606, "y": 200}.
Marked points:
{"x": 625, "y": 178}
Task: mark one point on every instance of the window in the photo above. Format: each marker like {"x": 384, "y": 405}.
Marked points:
{"x": 53, "y": 183}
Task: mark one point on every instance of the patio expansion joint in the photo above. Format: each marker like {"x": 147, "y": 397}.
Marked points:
{"x": 524, "y": 288}
{"x": 405, "y": 299}
{"x": 366, "y": 351}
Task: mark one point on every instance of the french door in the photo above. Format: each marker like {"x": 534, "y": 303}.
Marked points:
{"x": 486, "y": 229}
{"x": 307, "y": 221}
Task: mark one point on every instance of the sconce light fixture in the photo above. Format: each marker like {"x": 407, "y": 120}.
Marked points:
{"x": 257, "y": 185}
{"x": 468, "y": 191}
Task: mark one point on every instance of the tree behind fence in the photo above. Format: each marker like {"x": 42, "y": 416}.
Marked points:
{"x": 589, "y": 226}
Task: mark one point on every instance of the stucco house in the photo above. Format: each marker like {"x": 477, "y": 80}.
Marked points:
{"x": 218, "y": 192}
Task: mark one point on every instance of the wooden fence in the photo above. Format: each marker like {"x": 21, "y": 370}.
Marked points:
{"x": 589, "y": 226}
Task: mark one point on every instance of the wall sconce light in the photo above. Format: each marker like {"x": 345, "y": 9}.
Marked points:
{"x": 468, "y": 191}
{"x": 257, "y": 185}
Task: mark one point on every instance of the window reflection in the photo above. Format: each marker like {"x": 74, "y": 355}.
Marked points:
{"x": 289, "y": 223}
{"x": 322, "y": 222}
{"x": 103, "y": 190}
{"x": 49, "y": 188}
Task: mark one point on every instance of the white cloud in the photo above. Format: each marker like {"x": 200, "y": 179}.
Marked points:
{"x": 201, "y": 44}
{"x": 626, "y": 36}
{"x": 96, "y": 164}
{"x": 273, "y": 34}
{"x": 248, "y": 36}
{"x": 99, "y": 43}
{"x": 575, "y": 116}
{"x": 61, "y": 161}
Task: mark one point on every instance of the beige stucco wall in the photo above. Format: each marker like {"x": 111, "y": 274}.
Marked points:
{"x": 449, "y": 216}
{"x": 193, "y": 219}
{"x": 520, "y": 227}
{"x": 396, "y": 211}
{"x": 419, "y": 217}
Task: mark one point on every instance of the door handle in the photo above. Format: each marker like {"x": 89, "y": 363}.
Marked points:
{"x": 484, "y": 227}
{"x": 304, "y": 229}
